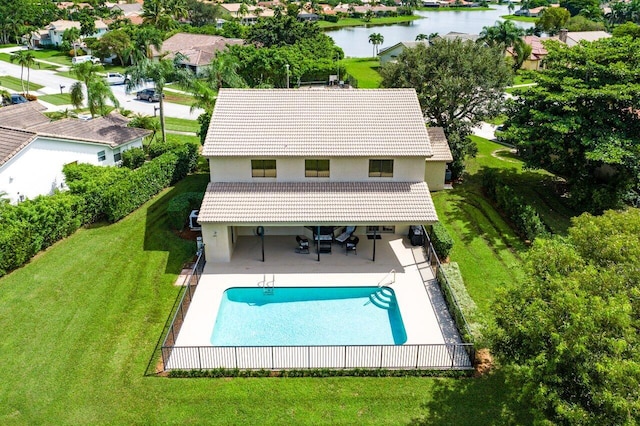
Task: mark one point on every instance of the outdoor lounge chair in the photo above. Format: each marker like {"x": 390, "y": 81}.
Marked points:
{"x": 352, "y": 244}
{"x": 303, "y": 244}
{"x": 348, "y": 231}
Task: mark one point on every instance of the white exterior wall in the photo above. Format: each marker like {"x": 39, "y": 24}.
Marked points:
{"x": 390, "y": 55}
{"x": 434, "y": 175}
{"x": 343, "y": 169}
{"x": 37, "y": 169}
{"x": 218, "y": 245}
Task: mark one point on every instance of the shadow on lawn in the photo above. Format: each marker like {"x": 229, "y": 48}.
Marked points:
{"x": 489, "y": 400}
{"x": 158, "y": 234}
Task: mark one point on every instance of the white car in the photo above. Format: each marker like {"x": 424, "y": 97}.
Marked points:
{"x": 116, "y": 78}
{"x": 84, "y": 58}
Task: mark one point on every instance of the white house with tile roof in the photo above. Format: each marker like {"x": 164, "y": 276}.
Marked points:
{"x": 292, "y": 160}
{"x": 33, "y": 149}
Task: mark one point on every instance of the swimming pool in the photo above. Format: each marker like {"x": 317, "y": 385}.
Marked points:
{"x": 308, "y": 316}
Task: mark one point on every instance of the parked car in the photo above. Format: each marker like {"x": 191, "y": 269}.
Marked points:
{"x": 116, "y": 78}
{"x": 84, "y": 58}
{"x": 149, "y": 95}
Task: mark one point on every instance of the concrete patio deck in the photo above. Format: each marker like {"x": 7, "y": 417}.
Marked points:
{"x": 424, "y": 313}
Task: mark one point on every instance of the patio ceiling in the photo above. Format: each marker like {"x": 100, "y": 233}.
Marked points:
{"x": 309, "y": 203}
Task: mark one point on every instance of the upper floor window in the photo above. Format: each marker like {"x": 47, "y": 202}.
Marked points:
{"x": 263, "y": 168}
{"x": 380, "y": 168}
{"x": 316, "y": 168}
{"x": 102, "y": 155}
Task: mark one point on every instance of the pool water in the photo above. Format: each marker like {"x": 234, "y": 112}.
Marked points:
{"x": 308, "y": 316}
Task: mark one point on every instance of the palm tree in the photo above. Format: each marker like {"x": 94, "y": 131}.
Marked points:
{"x": 98, "y": 91}
{"x": 221, "y": 72}
{"x": 521, "y": 51}
{"x": 511, "y": 7}
{"x": 504, "y": 34}
{"x": 145, "y": 38}
{"x": 5, "y": 97}
{"x": 376, "y": 39}
{"x": 24, "y": 58}
{"x": 243, "y": 11}
{"x": 143, "y": 121}
{"x": 160, "y": 72}
{"x": 72, "y": 35}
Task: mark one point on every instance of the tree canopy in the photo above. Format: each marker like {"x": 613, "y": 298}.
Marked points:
{"x": 581, "y": 121}
{"x": 458, "y": 85}
{"x": 553, "y": 19}
{"x": 569, "y": 334}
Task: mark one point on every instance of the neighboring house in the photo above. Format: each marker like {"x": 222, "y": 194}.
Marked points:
{"x": 293, "y": 160}
{"x": 52, "y": 34}
{"x": 199, "y": 49}
{"x": 538, "y": 53}
{"x": 254, "y": 12}
{"x": 575, "y": 37}
{"x": 34, "y": 149}
{"x": 391, "y": 53}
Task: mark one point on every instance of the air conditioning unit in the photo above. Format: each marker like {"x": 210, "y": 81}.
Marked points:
{"x": 193, "y": 221}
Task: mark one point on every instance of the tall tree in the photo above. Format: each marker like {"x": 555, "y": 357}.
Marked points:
{"x": 553, "y": 19}
{"x": 161, "y": 73}
{"x": 376, "y": 39}
{"x": 116, "y": 42}
{"x": 24, "y": 58}
{"x": 503, "y": 34}
{"x": 71, "y": 36}
{"x": 581, "y": 121}
{"x": 458, "y": 84}
{"x": 568, "y": 334}
{"x": 98, "y": 91}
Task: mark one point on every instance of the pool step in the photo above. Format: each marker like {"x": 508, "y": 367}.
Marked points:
{"x": 383, "y": 298}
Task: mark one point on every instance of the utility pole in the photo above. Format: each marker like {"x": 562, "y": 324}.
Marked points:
{"x": 287, "y": 66}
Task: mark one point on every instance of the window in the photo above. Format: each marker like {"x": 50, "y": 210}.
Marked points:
{"x": 381, "y": 229}
{"x": 263, "y": 168}
{"x": 316, "y": 168}
{"x": 380, "y": 168}
{"x": 102, "y": 156}
{"x": 117, "y": 156}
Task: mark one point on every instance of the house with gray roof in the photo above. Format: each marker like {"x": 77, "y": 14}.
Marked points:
{"x": 34, "y": 149}
{"x": 286, "y": 161}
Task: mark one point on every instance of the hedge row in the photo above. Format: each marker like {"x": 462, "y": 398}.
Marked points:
{"x": 525, "y": 218}
{"x": 318, "y": 372}
{"x": 95, "y": 193}
{"x": 180, "y": 207}
{"x": 441, "y": 240}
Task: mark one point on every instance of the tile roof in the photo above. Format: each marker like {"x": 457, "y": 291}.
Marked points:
{"x": 198, "y": 48}
{"x": 23, "y": 116}
{"x": 439, "y": 145}
{"x": 315, "y": 203}
{"x": 12, "y": 141}
{"x": 110, "y": 130}
{"x": 292, "y": 122}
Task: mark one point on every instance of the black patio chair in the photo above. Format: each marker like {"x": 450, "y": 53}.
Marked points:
{"x": 303, "y": 244}
{"x": 352, "y": 244}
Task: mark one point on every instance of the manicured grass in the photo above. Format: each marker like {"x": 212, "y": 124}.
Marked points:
{"x": 57, "y": 99}
{"x": 178, "y": 98}
{"x": 520, "y": 18}
{"x": 357, "y": 22}
{"x": 521, "y": 78}
{"x": 181, "y": 124}
{"x": 13, "y": 83}
{"x": 364, "y": 70}
{"x": 80, "y": 323}
{"x": 486, "y": 248}
{"x": 55, "y": 56}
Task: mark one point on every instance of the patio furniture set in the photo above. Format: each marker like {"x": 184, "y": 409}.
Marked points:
{"x": 323, "y": 237}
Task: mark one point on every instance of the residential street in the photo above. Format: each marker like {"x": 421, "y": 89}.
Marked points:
{"x": 53, "y": 83}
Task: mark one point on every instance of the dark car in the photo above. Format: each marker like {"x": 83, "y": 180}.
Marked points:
{"x": 148, "y": 95}
{"x": 13, "y": 99}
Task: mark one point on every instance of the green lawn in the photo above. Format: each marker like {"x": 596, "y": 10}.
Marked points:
{"x": 178, "y": 98}
{"x": 497, "y": 120}
{"x": 357, "y": 22}
{"x": 55, "y": 56}
{"x": 57, "y": 99}
{"x": 181, "y": 124}
{"x": 13, "y": 83}
{"x": 487, "y": 250}
{"x": 80, "y": 323}
{"x": 365, "y": 70}
{"x": 520, "y": 18}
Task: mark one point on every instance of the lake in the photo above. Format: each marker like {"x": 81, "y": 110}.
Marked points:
{"x": 355, "y": 40}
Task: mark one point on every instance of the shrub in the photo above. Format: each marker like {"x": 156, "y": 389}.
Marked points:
{"x": 133, "y": 158}
{"x": 331, "y": 18}
{"x": 180, "y": 207}
{"x": 77, "y": 51}
{"x": 441, "y": 240}
{"x": 30, "y": 97}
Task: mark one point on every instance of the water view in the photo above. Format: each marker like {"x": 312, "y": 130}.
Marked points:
{"x": 355, "y": 40}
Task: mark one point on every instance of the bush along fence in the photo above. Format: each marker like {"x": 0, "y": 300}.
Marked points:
{"x": 447, "y": 291}
{"x": 524, "y": 217}
{"x": 95, "y": 193}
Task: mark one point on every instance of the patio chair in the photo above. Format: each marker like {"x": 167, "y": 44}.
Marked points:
{"x": 303, "y": 244}
{"x": 348, "y": 231}
{"x": 352, "y": 244}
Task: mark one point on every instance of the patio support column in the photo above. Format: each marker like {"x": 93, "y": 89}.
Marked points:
{"x": 318, "y": 242}
{"x": 375, "y": 237}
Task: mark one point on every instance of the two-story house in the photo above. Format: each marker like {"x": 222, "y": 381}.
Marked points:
{"x": 284, "y": 162}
